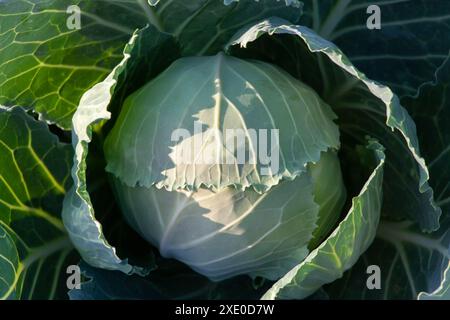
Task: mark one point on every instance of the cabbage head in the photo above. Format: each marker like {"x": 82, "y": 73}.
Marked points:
{"x": 228, "y": 215}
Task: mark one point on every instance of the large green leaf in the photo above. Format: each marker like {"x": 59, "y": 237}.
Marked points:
{"x": 147, "y": 50}
{"x": 34, "y": 176}
{"x": 202, "y": 27}
{"x": 45, "y": 66}
{"x": 340, "y": 251}
{"x": 431, "y": 111}
{"x": 411, "y": 44}
{"x": 413, "y": 262}
{"x": 364, "y": 107}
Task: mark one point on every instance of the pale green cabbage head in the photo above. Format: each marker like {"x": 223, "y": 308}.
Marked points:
{"x": 216, "y": 213}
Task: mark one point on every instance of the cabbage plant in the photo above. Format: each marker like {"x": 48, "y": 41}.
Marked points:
{"x": 224, "y": 150}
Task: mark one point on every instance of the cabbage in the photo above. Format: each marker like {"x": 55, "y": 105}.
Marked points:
{"x": 206, "y": 149}
{"x": 223, "y": 216}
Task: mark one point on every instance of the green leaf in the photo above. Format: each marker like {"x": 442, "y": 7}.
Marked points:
{"x": 410, "y": 262}
{"x": 431, "y": 111}
{"x": 364, "y": 107}
{"x": 202, "y": 27}
{"x": 403, "y": 54}
{"x": 34, "y": 172}
{"x": 47, "y": 66}
{"x": 417, "y": 261}
{"x": 340, "y": 251}
{"x": 442, "y": 292}
{"x": 413, "y": 262}
{"x": 9, "y": 266}
{"x": 147, "y": 50}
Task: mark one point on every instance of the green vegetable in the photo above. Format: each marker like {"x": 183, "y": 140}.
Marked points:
{"x": 204, "y": 149}
{"x": 188, "y": 206}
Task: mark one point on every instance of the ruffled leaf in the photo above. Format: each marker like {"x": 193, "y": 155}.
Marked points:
{"x": 364, "y": 107}
{"x": 85, "y": 231}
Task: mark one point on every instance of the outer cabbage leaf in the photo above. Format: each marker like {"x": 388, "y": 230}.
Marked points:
{"x": 410, "y": 263}
{"x": 340, "y": 251}
{"x": 34, "y": 176}
{"x": 403, "y": 54}
{"x": 45, "y": 66}
{"x": 431, "y": 111}
{"x": 364, "y": 107}
{"x": 145, "y": 48}
{"x": 202, "y": 27}
{"x": 442, "y": 292}
{"x": 413, "y": 262}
